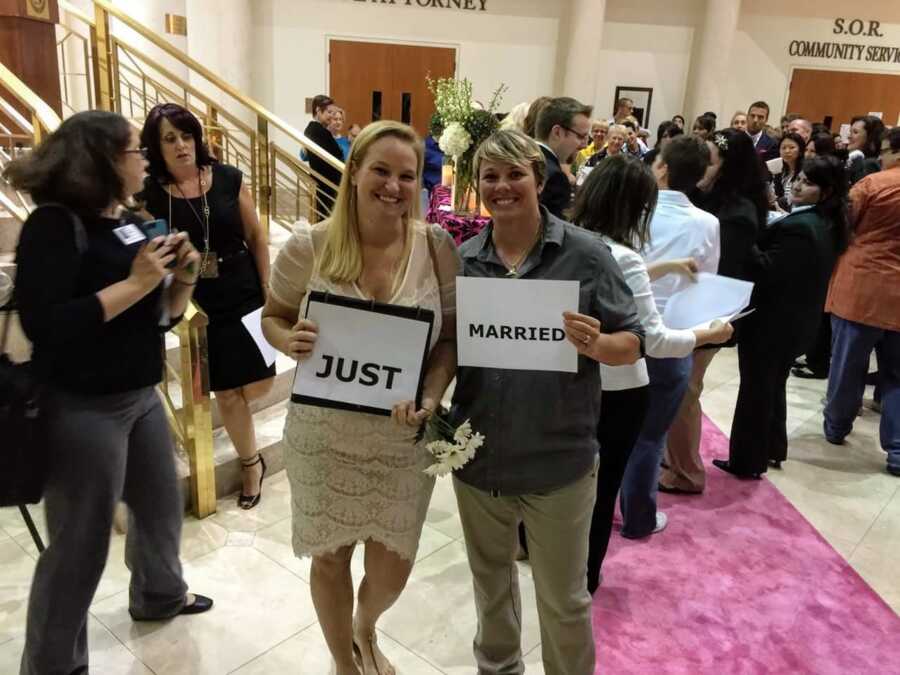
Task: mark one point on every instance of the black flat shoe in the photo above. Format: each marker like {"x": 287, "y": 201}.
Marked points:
{"x": 724, "y": 465}
{"x": 200, "y": 604}
{"x": 805, "y": 373}
{"x": 676, "y": 491}
{"x": 247, "y": 502}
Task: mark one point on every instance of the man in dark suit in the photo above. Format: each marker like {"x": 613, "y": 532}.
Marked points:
{"x": 562, "y": 129}
{"x": 757, "y": 117}
{"x": 323, "y": 109}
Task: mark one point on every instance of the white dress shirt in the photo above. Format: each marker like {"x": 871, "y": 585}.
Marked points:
{"x": 659, "y": 341}
{"x": 679, "y": 229}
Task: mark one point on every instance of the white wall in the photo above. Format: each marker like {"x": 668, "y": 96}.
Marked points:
{"x": 643, "y": 55}
{"x": 224, "y": 42}
{"x": 763, "y": 66}
{"x": 513, "y": 43}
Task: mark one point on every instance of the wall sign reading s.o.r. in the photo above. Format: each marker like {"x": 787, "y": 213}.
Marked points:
{"x": 857, "y": 27}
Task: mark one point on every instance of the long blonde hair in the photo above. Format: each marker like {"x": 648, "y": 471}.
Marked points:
{"x": 341, "y": 259}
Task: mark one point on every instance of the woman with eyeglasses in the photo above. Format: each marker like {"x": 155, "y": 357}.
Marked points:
{"x": 211, "y": 202}
{"x": 93, "y": 299}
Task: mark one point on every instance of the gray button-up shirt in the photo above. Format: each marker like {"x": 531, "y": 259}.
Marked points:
{"x": 540, "y": 427}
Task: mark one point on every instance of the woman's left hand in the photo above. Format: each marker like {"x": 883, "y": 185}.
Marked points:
{"x": 582, "y": 331}
{"x": 187, "y": 261}
{"x": 404, "y": 413}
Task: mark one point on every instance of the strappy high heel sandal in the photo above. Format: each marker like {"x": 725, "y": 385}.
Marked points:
{"x": 247, "y": 502}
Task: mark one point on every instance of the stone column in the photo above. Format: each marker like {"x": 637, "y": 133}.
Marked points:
{"x": 578, "y": 55}
{"x": 710, "y": 59}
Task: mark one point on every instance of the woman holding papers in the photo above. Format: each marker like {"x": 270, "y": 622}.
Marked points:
{"x": 734, "y": 191}
{"x": 92, "y": 296}
{"x": 624, "y": 225}
{"x": 539, "y": 459}
{"x": 790, "y": 268}
{"x": 357, "y": 477}
{"x": 193, "y": 193}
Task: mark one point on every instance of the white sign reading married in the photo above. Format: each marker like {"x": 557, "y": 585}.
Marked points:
{"x": 367, "y": 356}
{"x": 515, "y": 323}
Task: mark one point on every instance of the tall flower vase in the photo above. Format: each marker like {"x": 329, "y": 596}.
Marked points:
{"x": 466, "y": 201}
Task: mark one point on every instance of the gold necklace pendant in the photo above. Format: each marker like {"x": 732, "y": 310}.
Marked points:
{"x": 512, "y": 272}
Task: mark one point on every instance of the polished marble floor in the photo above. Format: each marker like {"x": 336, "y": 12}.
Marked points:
{"x": 264, "y": 620}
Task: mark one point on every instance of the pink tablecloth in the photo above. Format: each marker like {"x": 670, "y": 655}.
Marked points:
{"x": 440, "y": 211}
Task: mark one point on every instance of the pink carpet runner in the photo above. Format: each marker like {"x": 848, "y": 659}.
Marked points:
{"x": 738, "y": 584}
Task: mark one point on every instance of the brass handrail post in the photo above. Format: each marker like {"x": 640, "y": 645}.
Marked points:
{"x": 197, "y": 414}
{"x": 263, "y": 175}
{"x": 103, "y": 59}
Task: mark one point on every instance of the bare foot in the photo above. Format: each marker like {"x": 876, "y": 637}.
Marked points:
{"x": 350, "y": 669}
{"x": 370, "y": 656}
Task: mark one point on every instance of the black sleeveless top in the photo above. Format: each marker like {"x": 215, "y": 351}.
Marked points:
{"x": 226, "y": 231}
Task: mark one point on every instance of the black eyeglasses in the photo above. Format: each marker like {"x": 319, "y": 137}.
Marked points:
{"x": 144, "y": 152}
{"x": 580, "y": 137}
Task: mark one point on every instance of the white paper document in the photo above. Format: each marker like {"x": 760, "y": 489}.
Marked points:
{"x": 362, "y": 358}
{"x": 515, "y": 323}
{"x": 711, "y": 298}
{"x": 253, "y": 323}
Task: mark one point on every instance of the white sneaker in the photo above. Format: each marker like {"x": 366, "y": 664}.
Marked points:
{"x": 661, "y": 521}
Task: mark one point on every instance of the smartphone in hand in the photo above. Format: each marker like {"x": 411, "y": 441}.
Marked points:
{"x": 157, "y": 228}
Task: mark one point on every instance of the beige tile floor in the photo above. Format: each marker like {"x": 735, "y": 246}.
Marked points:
{"x": 264, "y": 620}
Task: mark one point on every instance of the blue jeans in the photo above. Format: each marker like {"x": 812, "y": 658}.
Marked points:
{"x": 668, "y": 383}
{"x": 851, "y": 345}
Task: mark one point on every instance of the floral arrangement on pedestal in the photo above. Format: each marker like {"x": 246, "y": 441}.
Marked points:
{"x": 466, "y": 124}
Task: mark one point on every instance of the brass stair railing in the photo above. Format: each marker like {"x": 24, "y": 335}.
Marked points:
{"x": 191, "y": 421}
{"x": 130, "y": 82}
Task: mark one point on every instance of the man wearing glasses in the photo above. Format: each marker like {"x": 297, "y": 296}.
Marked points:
{"x": 562, "y": 129}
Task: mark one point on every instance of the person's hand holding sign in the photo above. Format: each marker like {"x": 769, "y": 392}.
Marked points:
{"x": 585, "y": 332}
{"x": 405, "y": 413}
{"x": 302, "y": 339}
{"x": 582, "y": 331}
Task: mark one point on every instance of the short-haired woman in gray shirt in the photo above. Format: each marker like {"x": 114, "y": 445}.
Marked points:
{"x": 538, "y": 463}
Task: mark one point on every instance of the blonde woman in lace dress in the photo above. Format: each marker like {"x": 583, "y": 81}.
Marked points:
{"x": 357, "y": 477}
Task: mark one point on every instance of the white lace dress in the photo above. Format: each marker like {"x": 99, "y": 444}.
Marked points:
{"x": 356, "y": 476}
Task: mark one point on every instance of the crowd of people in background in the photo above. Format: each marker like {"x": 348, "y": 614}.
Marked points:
{"x": 807, "y": 216}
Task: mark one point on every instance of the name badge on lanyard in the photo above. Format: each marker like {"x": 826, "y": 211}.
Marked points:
{"x": 129, "y": 234}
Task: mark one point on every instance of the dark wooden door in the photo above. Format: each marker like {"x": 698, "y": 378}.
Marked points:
{"x": 818, "y": 94}
{"x": 375, "y": 80}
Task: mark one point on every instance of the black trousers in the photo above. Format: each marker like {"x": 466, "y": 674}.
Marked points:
{"x": 818, "y": 358}
{"x": 759, "y": 427}
{"x": 621, "y": 418}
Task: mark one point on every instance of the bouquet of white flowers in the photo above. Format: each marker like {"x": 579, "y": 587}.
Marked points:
{"x": 455, "y": 140}
{"x": 465, "y": 125}
{"x": 455, "y": 449}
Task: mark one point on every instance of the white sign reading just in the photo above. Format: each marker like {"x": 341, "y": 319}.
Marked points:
{"x": 368, "y": 356}
{"x": 515, "y": 323}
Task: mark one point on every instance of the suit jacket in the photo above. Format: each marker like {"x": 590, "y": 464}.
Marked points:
{"x": 767, "y": 148}
{"x": 791, "y": 266}
{"x": 557, "y": 192}
{"x": 322, "y": 137}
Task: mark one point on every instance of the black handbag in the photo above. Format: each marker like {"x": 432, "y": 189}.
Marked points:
{"x": 23, "y": 452}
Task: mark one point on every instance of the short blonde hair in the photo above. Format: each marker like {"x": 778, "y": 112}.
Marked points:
{"x": 341, "y": 259}
{"x": 511, "y": 147}
{"x": 516, "y": 117}
{"x": 599, "y": 123}
{"x": 617, "y": 129}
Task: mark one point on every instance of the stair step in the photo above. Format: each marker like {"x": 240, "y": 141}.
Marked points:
{"x": 269, "y": 426}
